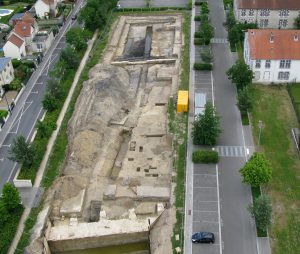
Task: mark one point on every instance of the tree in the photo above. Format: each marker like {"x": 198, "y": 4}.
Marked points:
{"x": 206, "y": 31}
{"x": 70, "y": 57}
{"x": 240, "y": 74}
{"x": 54, "y": 88}
{"x": 261, "y": 210}
{"x": 50, "y": 103}
{"x": 78, "y": 38}
{"x": 10, "y": 197}
{"x": 22, "y": 152}
{"x": 257, "y": 170}
{"x": 45, "y": 128}
{"x": 206, "y": 127}
{"x": 297, "y": 23}
{"x": 94, "y": 14}
{"x": 244, "y": 100}
{"x": 234, "y": 36}
{"x": 230, "y": 20}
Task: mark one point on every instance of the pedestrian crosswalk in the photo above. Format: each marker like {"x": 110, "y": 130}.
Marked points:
{"x": 232, "y": 151}
{"x": 219, "y": 40}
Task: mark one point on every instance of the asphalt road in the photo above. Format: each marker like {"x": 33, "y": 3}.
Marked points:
{"x": 29, "y": 107}
{"x": 238, "y": 230}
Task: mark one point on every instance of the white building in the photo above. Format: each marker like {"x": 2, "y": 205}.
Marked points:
{"x": 6, "y": 73}
{"x": 45, "y": 8}
{"x": 14, "y": 47}
{"x": 273, "y": 55}
{"x": 42, "y": 41}
{"x": 267, "y": 13}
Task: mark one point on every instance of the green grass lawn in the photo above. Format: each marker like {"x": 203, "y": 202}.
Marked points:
{"x": 272, "y": 105}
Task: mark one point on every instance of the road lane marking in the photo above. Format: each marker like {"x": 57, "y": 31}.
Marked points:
{"x": 12, "y": 171}
{"x": 6, "y": 145}
{"x": 2, "y": 159}
{"x": 35, "y": 92}
{"x": 33, "y": 126}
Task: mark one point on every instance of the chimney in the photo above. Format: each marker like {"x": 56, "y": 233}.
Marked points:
{"x": 271, "y": 38}
{"x": 296, "y": 37}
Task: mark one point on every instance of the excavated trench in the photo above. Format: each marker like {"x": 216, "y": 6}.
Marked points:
{"x": 117, "y": 174}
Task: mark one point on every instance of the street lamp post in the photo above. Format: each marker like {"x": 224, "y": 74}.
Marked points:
{"x": 260, "y": 126}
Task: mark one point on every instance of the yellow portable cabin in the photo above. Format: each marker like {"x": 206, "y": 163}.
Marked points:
{"x": 183, "y": 101}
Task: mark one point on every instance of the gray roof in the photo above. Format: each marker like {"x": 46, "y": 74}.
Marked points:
{"x": 17, "y": 16}
{"x": 3, "y": 62}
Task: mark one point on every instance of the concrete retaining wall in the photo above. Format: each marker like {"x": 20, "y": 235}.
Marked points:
{"x": 21, "y": 183}
{"x": 96, "y": 242}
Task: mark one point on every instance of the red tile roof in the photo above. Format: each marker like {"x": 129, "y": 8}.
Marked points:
{"x": 23, "y": 29}
{"x": 269, "y": 4}
{"x": 28, "y": 18}
{"x": 16, "y": 40}
{"x": 48, "y": 2}
{"x": 274, "y": 44}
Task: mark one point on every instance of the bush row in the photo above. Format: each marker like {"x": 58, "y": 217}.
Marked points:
{"x": 295, "y": 103}
{"x": 203, "y": 66}
{"x": 205, "y": 157}
{"x": 146, "y": 9}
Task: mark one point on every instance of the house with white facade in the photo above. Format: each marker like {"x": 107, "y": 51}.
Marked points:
{"x": 6, "y": 73}
{"x": 45, "y": 8}
{"x": 42, "y": 41}
{"x": 14, "y": 47}
{"x": 273, "y": 55}
{"x": 267, "y": 13}
{"x": 26, "y": 32}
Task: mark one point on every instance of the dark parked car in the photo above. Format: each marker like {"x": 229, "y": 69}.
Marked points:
{"x": 203, "y": 237}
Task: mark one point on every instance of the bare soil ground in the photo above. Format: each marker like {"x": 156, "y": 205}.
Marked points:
{"x": 120, "y": 152}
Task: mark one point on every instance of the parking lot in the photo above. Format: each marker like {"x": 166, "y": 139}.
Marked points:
{"x": 206, "y": 206}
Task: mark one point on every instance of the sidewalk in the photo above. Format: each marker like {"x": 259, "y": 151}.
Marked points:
{"x": 51, "y": 142}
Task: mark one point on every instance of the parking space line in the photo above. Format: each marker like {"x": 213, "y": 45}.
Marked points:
{"x": 205, "y": 211}
{"x": 204, "y": 174}
{"x": 206, "y": 221}
{"x": 205, "y": 187}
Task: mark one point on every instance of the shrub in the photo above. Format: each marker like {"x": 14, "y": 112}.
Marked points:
{"x": 205, "y": 157}
{"x": 198, "y": 3}
{"x": 207, "y": 56}
{"x": 198, "y": 41}
{"x": 202, "y": 66}
{"x": 197, "y": 34}
{"x": 197, "y": 18}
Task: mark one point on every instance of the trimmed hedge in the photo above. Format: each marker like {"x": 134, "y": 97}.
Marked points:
{"x": 197, "y": 18}
{"x": 205, "y": 157}
{"x": 145, "y": 9}
{"x": 203, "y": 66}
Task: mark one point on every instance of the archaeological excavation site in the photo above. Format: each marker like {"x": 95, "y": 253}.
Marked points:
{"x": 115, "y": 187}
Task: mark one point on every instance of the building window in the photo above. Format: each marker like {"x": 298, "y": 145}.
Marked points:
{"x": 268, "y": 64}
{"x": 282, "y": 64}
{"x": 257, "y": 64}
{"x": 285, "y": 64}
{"x": 263, "y": 23}
{"x": 288, "y": 64}
{"x": 283, "y": 23}
{"x": 283, "y": 75}
{"x": 251, "y": 12}
{"x": 284, "y": 13}
{"x": 243, "y": 12}
{"x": 264, "y": 12}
